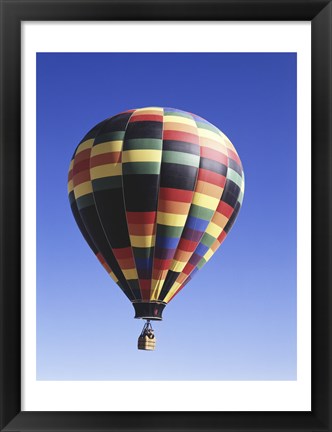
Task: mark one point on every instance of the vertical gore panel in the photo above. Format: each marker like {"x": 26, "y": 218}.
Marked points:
{"x": 208, "y": 191}
{"x": 141, "y": 160}
{"x": 88, "y": 213}
{"x": 179, "y": 168}
{"x": 81, "y": 225}
{"x": 223, "y": 218}
{"x": 106, "y": 175}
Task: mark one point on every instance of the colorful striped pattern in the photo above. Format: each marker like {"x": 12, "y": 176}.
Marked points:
{"x": 155, "y": 192}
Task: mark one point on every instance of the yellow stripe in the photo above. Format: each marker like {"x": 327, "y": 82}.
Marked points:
{"x": 141, "y": 156}
{"x": 171, "y": 219}
{"x": 150, "y": 110}
{"x": 205, "y": 201}
{"x": 108, "y": 170}
{"x": 84, "y": 145}
{"x": 178, "y": 266}
{"x": 142, "y": 241}
{"x": 220, "y": 220}
{"x": 106, "y": 147}
{"x": 83, "y": 189}
{"x": 208, "y": 255}
{"x": 214, "y": 145}
{"x": 70, "y": 186}
{"x": 180, "y": 127}
{"x": 213, "y": 229}
{"x": 156, "y": 288}
{"x": 130, "y": 274}
{"x": 178, "y": 119}
{"x": 113, "y": 277}
{"x": 206, "y": 133}
{"x": 172, "y": 291}
{"x": 227, "y": 142}
{"x": 71, "y": 165}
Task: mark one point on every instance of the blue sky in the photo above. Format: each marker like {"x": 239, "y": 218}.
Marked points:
{"x": 85, "y": 325}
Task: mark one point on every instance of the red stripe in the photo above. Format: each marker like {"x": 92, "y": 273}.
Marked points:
{"x": 180, "y": 195}
{"x": 145, "y": 285}
{"x": 225, "y": 209}
{"x": 105, "y": 158}
{"x": 81, "y": 177}
{"x": 187, "y": 245}
{"x": 85, "y": 154}
{"x": 100, "y": 258}
{"x": 141, "y": 217}
{"x": 81, "y": 166}
{"x": 211, "y": 177}
{"x": 234, "y": 156}
{"x": 208, "y": 153}
{"x": 128, "y": 111}
{"x": 180, "y": 136}
{"x": 188, "y": 269}
{"x": 146, "y": 117}
{"x": 122, "y": 253}
{"x": 103, "y": 262}
{"x": 222, "y": 236}
{"x": 160, "y": 264}
{"x": 127, "y": 263}
{"x": 70, "y": 175}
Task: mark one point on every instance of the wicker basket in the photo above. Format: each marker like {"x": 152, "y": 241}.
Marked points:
{"x": 146, "y": 343}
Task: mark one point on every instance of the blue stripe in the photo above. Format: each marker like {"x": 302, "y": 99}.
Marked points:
{"x": 196, "y": 223}
{"x": 144, "y": 263}
{"x": 201, "y": 249}
{"x": 167, "y": 242}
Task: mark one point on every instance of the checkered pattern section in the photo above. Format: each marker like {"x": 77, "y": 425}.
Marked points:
{"x": 155, "y": 192}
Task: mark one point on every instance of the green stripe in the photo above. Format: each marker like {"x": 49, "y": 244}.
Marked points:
{"x": 85, "y": 201}
{"x": 201, "y": 263}
{"x": 143, "y": 143}
{"x": 142, "y": 252}
{"x": 106, "y": 183}
{"x": 208, "y": 240}
{"x": 169, "y": 231}
{"x": 178, "y": 114}
{"x": 201, "y": 212}
{"x": 234, "y": 176}
{"x": 71, "y": 197}
{"x": 110, "y": 136}
{"x": 240, "y": 197}
{"x": 180, "y": 158}
{"x": 141, "y": 168}
{"x": 207, "y": 126}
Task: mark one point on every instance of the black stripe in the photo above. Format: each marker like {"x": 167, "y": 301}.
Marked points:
{"x": 235, "y": 166}
{"x": 144, "y": 129}
{"x": 211, "y": 165}
{"x": 178, "y": 176}
{"x": 110, "y": 207}
{"x": 141, "y": 192}
{"x": 233, "y": 217}
{"x": 116, "y": 123}
{"x": 93, "y": 132}
{"x": 181, "y": 146}
{"x": 169, "y": 282}
{"x": 92, "y": 223}
{"x": 231, "y": 193}
{"x": 82, "y": 228}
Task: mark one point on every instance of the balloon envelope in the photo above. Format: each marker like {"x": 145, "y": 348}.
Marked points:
{"x": 154, "y": 192}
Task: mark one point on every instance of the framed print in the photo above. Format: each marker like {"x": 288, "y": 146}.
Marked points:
{"x": 186, "y": 146}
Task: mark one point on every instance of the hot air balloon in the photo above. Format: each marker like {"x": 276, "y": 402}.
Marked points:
{"x": 154, "y": 192}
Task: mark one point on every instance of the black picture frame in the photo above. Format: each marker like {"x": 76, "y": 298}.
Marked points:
{"x": 319, "y": 12}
